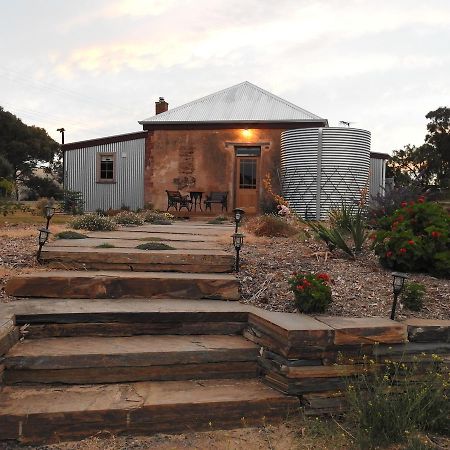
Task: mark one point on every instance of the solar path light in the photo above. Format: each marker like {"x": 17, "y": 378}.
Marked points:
{"x": 398, "y": 282}
{"x": 43, "y": 238}
{"x": 238, "y": 242}
{"x": 238, "y": 215}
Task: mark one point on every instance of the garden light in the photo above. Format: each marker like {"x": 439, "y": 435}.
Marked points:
{"x": 43, "y": 238}
{"x": 49, "y": 212}
{"x": 398, "y": 283}
{"x": 238, "y": 214}
{"x": 238, "y": 242}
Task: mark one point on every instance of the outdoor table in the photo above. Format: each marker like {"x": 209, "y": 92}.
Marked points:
{"x": 196, "y": 196}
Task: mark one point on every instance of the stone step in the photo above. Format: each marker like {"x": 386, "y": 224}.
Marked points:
{"x": 89, "y": 360}
{"x": 196, "y": 261}
{"x": 33, "y": 414}
{"x": 128, "y": 317}
{"x": 120, "y": 284}
{"x": 133, "y": 243}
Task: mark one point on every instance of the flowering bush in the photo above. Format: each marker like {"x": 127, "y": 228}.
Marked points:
{"x": 312, "y": 292}
{"x": 128, "y": 218}
{"x": 157, "y": 218}
{"x": 94, "y": 222}
{"x": 416, "y": 237}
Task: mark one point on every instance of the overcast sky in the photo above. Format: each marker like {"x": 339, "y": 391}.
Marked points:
{"x": 96, "y": 67}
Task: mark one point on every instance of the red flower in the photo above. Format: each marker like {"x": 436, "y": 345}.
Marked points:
{"x": 435, "y": 234}
{"x": 411, "y": 242}
{"x": 389, "y": 254}
{"x": 411, "y": 203}
{"x": 402, "y": 250}
{"x": 300, "y": 287}
{"x": 323, "y": 276}
{"x": 404, "y": 204}
{"x": 400, "y": 218}
{"x": 421, "y": 199}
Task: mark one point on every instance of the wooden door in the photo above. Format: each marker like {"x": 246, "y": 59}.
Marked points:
{"x": 247, "y": 183}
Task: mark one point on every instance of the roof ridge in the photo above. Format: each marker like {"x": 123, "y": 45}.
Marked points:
{"x": 218, "y": 94}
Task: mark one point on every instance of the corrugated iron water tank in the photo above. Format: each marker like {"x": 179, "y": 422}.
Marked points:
{"x": 323, "y": 167}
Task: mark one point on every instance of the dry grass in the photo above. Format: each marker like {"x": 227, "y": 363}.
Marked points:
{"x": 271, "y": 226}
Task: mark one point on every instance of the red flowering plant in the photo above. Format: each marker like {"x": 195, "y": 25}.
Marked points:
{"x": 416, "y": 237}
{"x": 312, "y": 291}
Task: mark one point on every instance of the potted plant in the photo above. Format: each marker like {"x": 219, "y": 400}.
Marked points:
{"x": 312, "y": 291}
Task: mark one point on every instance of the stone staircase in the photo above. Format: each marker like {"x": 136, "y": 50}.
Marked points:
{"x": 150, "y": 356}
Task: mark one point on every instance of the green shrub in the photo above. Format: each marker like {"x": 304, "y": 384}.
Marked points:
{"x": 128, "y": 218}
{"x": 154, "y": 246}
{"x": 347, "y": 230}
{"x": 218, "y": 220}
{"x": 93, "y": 222}
{"x": 271, "y": 225}
{"x": 70, "y": 235}
{"x": 72, "y": 202}
{"x": 415, "y": 237}
{"x": 105, "y": 245}
{"x": 412, "y": 296}
{"x": 389, "y": 403}
{"x": 312, "y": 292}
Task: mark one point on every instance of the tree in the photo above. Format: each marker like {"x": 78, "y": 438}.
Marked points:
{"x": 24, "y": 147}
{"x": 438, "y": 138}
{"x": 429, "y": 164}
{"x": 42, "y": 187}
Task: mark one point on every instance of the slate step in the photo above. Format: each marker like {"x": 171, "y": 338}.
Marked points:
{"x": 203, "y": 261}
{"x": 128, "y": 317}
{"x": 33, "y": 414}
{"x": 120, "y": 284}
{"x": 134, "y": 358}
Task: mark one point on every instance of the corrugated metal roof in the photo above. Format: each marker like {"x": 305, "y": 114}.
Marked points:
{"x": 243, "y": 102}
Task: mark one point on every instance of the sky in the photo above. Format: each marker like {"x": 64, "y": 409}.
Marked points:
{"x": 96, "y": 67}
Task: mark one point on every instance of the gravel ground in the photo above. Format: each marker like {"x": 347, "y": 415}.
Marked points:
{"x": 360, "y": 288}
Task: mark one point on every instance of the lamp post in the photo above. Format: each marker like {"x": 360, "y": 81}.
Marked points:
{"x": 238, "y": 214}
{"x": 49, "y": 212}
{"x": 238, "y": 242}
{"x": 398, "y": 283}
{"x": 43, "y": 238}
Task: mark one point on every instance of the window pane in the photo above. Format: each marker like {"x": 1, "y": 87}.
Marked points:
{"x": 106, "y": 168}
{"x": 247, "y": 173}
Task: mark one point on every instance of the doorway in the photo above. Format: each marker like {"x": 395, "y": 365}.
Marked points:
{"x": 247, "y": 178}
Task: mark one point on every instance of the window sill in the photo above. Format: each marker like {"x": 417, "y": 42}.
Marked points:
{"x": 106, "y": 182}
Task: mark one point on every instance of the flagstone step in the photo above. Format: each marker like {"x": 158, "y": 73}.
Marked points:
{"x": 120, "y": 284}
{"x": 133, "y": 243}
{"x": 33, "y": 414}
{"x": 202, "y": 261}
{"x": 128, "y": 317}
{"x": 88, "y": 360}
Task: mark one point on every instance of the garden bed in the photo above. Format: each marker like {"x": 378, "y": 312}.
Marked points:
{"x": 361, "y": 288}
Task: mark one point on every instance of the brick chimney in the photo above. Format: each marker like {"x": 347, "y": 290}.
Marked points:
{"x": 161, "y": 105}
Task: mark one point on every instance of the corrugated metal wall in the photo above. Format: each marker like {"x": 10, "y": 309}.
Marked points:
{"x": 377, "y": 177}
{"x": 322, "y": 167}
{"x": 128, "y": 190}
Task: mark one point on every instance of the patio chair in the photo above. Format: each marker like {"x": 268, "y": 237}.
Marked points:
{"x": 178, "y": 201}
{"x": 217, "y": 197}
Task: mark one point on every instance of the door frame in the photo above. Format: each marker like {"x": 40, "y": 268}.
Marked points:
{"x": 236, "y": 173}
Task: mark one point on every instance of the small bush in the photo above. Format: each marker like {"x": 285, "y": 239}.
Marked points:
{"x": 93, "y": 222}
{"x": 271, "y": 225}
{"x": 389, "y": 402}
{"x": 412, "y": 296}
{"x": 105, "y": 245}
{"x": 415, "y": 237}
{"x": 154, "y": 246}
{"x": 70, "y": 235}
{"x": 347, "y": 231}
{"x": 312, "y": 292}
{"x": 218, "y": 220}
{"x": 128, "y": 218}
{"x": 157, "y": 218}
{"x": 72, "y": 202}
